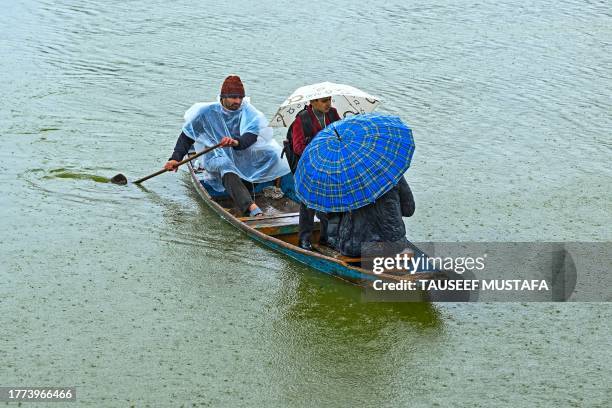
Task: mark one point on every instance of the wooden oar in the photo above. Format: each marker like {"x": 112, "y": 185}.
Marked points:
{"x": 121, "y": 179}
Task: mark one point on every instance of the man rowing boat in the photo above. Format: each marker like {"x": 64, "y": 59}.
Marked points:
{"x": 233, "y": 122}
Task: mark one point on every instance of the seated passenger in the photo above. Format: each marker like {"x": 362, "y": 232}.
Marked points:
{"x": 380, "y": 221}
{"x": 308, "y": 123}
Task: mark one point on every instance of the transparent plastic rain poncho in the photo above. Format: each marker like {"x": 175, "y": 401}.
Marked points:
{"x": 207, "y": 123}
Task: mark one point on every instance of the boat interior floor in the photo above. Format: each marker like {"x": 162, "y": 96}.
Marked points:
{"x": 285, "y": 226}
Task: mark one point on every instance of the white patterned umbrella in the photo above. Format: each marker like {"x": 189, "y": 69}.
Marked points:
{"x": 346, "y": 99}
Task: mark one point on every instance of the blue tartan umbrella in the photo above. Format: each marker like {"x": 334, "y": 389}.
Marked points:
{"x": 352, "y": 162}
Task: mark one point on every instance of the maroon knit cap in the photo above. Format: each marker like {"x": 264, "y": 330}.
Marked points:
{"x": 232, "y": 86}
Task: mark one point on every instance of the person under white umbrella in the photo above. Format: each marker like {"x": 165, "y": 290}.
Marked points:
{"x": 346, "y": 99}
{"x": 305, "y": 121}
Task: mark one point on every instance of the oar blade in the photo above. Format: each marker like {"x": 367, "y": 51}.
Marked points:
{"x": 119, "y": 179}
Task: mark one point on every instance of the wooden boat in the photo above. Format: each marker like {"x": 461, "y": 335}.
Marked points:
{"x": 278, "y": 230}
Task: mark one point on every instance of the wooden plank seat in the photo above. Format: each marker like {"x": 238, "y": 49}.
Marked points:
{"x": 281, "y": 224}
{"x": 257, "y": 220}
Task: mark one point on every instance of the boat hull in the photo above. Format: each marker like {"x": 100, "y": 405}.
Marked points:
{"x": 318, "y": 261}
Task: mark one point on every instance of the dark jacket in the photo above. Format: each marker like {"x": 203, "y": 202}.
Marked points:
{"x": 380, "y": 221}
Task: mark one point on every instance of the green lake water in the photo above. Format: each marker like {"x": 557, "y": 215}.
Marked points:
{"x": 144, "y": 297}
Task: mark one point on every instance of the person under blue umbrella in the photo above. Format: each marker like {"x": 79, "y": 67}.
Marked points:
{"x": 380, "y": 221}
{"x": 355, "y": 169}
